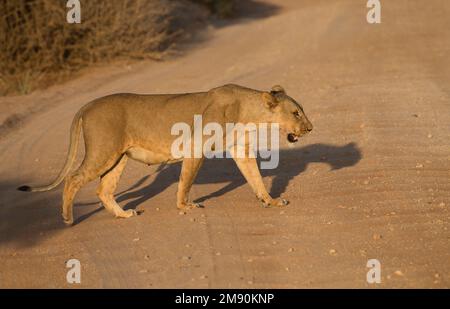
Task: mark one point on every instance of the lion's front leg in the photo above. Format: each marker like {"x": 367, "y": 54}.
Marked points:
{"x": 249, "y": 168}
{"x": 189, "y": 171}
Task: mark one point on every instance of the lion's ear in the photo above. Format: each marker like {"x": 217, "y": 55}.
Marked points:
{"x": 269, "y": 100}
{"x": 277, "y": 89}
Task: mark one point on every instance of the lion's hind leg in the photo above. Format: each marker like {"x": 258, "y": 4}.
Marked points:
{"x": 108, "y": 185}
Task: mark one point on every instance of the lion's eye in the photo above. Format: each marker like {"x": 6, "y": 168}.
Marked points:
{"x": 296, "y": 114}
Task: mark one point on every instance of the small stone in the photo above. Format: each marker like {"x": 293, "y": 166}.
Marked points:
{"x": 188, "y": 245}
{"x": 218, "y": 253}
{"x": 157, "y": 208}
{"x": 136, "y": 239}
{"x": 442, "y": 204}
{"x": 377, "y": 236}
{"x": 186, "y": 258}
{"x": 203, "y": 277}
{"x": 287, "y": 268}
{"x": 147, "y": 257}
{"x": 329, "y": 222}
{"x": 333, "y": 252}
{"x": 181, "y": 213}
{"x": 192, "y": 219}
{"x": 419, "y": 165}
{"x": 436, "y": 275}
{"x": 143, "y": 271}
{"x": 282, "y": 212}
{"x": 274, "y": 242}
{"x": 430, "y": 135}
{"x": 398, "y": 273}
{"x": 366, "y": 182}
{"x": 291, "y": 250}
{"x": 202, "y": 215}
{"x": 250, "y": 282}
{"x": 249, "y": 260}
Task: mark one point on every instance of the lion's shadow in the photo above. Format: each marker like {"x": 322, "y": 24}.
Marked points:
{"x": 292, "y": 163}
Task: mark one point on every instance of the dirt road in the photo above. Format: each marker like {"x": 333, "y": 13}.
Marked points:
{"x": 371, "y": 182}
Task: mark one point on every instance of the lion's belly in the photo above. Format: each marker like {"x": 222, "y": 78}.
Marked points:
{"x": 148, "y": 157}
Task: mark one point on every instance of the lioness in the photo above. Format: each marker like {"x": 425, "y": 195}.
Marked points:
{"x": 122, "y": 126}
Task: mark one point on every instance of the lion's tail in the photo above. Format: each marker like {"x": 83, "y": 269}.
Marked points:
{"x": 74, "y": 141}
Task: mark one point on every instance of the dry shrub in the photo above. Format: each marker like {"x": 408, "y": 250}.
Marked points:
{"x": 38, "y": 44}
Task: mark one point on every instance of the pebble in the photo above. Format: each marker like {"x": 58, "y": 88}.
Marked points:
{"x": 291, "y": 250}
{"x": 218, "y": 253}
{"x": 398, "y": 273}
{"x": 147, "y": 257}
{"x": 203, "y": 277}
{"x": 182, "y": 213}
{"x": 136, "y": 239}
{"x": 186, "y": 258}
{"x": 333, "y": 252}
{"x": 157, "y": 208}
{"x": 188, "y": 245}
{"x": 282, "y": 212}
{"x": 442, "y": 204}
{"x": 419, "y": 165}
{"x": 192, "y": 219}
{"x": 377, "y": 236}
{"x": 366, "y": 182}
{"x": 430, "y": 135}
{"x": 143, "y": 271}
{"x": 249, "y": 260}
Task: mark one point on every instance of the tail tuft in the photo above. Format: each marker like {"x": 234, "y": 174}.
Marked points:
{"x": 24, "y": 188}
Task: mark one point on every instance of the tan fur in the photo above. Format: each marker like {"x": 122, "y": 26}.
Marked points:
{"x": 122, "y": 126}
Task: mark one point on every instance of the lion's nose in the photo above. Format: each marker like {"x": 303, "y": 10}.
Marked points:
{"x": 309, "y": 127}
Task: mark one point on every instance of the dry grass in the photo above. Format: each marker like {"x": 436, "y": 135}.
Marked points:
{"x": 39, "y": 46}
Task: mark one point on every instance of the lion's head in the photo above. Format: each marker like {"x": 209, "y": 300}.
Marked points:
{"x": 287, "y": 112}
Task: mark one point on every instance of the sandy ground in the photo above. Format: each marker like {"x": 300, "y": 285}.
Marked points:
{"x": 371, "y": 181}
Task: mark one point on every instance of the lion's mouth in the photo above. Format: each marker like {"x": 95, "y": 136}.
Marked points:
{"x": 292, "y": 138}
